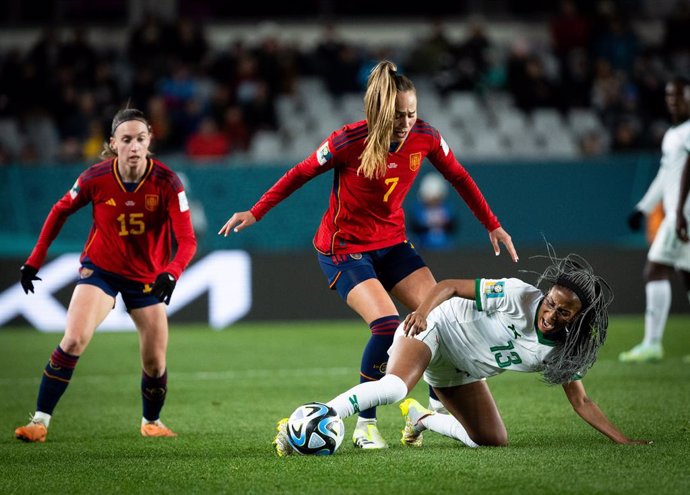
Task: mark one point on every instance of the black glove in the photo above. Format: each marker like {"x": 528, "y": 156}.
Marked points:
{"x": 635, "y": 220}
{"x": 163, "y": 287}
{"x": 28, "y": 277}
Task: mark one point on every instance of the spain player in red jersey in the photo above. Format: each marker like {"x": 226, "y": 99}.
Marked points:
{"x": 138, "y": 204}
{"x": 361, "y": 241}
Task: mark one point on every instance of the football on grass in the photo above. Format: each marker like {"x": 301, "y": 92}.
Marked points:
{"x": 315, "y": 429}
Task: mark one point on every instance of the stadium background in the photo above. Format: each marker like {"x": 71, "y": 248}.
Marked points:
{"x": 558, "y": 118}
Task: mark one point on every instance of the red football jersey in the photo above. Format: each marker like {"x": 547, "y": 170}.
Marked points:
{"x": 132, "y": 232}
{"x": 367, "y": 214}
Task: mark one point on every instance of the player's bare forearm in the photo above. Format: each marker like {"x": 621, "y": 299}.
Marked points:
{"x": 587, "y": 409}
{"x": 415, "y": 322}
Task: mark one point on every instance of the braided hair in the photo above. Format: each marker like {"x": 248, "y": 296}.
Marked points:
{"x": 578, "y": 344}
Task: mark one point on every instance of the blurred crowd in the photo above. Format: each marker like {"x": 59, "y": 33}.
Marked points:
{"x": 208, "y": 102}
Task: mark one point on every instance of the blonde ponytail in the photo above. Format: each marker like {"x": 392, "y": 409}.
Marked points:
{"x": 379, "y": 107}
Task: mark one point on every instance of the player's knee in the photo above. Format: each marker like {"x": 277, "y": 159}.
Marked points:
{"x": 493, "y": 439}
{"x": 395, "y": 389}
{"x": 74, "y": 346}
{"x": 154, "y": 367}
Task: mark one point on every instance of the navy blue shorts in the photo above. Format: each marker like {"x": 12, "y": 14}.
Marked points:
{"x": 134, "y": 294}
{"x": 388, "y": 265}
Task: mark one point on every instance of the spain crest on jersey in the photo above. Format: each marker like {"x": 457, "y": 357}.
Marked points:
{"x": 415, "y": 161}
{"x": 151, "y": 202}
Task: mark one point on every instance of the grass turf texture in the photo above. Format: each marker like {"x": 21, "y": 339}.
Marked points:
{"x": 227, "y": 389}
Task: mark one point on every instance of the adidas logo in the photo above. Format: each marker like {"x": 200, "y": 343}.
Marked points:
{"x": 111, "y": 202}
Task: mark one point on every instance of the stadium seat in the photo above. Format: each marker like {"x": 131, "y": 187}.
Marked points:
{"x": 266, "y": 147}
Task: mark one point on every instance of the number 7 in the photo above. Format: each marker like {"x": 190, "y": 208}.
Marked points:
{"x": 393, "y": 181}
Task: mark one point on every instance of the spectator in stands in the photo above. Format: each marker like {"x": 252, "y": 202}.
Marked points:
{"x": 570, "y": 42}
{"x": 78, "y": 53}
{"x": 361, "y": 243}
{"x": 666, "y": 255}
{"x": 259, "y": 110}
{"x": 149, "y": 44}
{"x": 592, "y": 143}
{"x": 433, "y": 52}
{"x": 528, "y": 81}
{"x": 432, "y": 219}
{"x": 618, "y": 43}
{"x": 569, "y": 30}
{"x": 139, "y": 205}
{"x": 39, "y": 79}
{"x": 189, "y": 44}
{"x": 473, "y": 52}
{"x": 336, "y": 62}
{"x": 208, "y": 142}
{"x": 161, "y": 124}
{"x": 235, "y": 129}
{"x": 627, "y": 135}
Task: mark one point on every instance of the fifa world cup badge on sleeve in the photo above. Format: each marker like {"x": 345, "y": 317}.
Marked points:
{"x": 323, "y": 154}
{"x": 493, "y": 289}
{"x": 445, "y": 147}
{"x": 75, "y": 190}
{"x": 182, "y": 198}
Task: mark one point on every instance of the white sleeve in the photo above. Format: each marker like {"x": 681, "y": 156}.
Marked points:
{"x": 654, "y": 193}
{"x": 504, "y": 295}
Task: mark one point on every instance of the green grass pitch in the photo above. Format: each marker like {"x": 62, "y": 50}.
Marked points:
{"x": 227, "y": 389}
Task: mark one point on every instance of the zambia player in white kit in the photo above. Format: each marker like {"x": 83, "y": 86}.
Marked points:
{"x": 471, "y": 340}
{"x": 670, "y": 250}
{"x": 468, "y": 330}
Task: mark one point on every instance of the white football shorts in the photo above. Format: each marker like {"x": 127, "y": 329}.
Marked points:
{"x": 667, "y": 249}
{"x": 441, "y": 372}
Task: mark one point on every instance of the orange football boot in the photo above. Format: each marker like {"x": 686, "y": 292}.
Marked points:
{"x": 33, "y": 432}
{"x": 156, "y": 429}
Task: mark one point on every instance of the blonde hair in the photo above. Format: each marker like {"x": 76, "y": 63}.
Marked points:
{"x": 379, "y": 108}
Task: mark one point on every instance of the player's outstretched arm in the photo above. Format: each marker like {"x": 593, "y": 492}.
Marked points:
{"x": 415, "y": 322}
{"x": 499, "y": 235}
{"x": 238, "y": 221}
{"x": 590, "y": 412}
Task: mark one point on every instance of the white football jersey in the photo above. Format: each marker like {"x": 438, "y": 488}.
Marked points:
{"x": 494, "y": 333}
{"x": 666, "y": 185}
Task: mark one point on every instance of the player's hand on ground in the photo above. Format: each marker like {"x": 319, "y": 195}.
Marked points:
{"x": 163, "y": 287}
{"x": 237, "y": 222}
{"x": 414, "y": 324}
{"x": 682, "y": 228}
{"x": 28, "y": 276}
{"x": 499, "y": 235}
{"x": 638, "y": 442}
{"x": 635, "y": 220}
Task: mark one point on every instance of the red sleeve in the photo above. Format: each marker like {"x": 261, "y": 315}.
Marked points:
{"x": 444, "y": 160}
{"x": 315, "y": 164}
{"x": 73, "y": 200}
{"x": 181, "y": 219}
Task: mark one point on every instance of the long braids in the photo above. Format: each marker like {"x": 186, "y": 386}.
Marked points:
{"x": 383, "y": 85}
{"x": 578, "y": 345}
